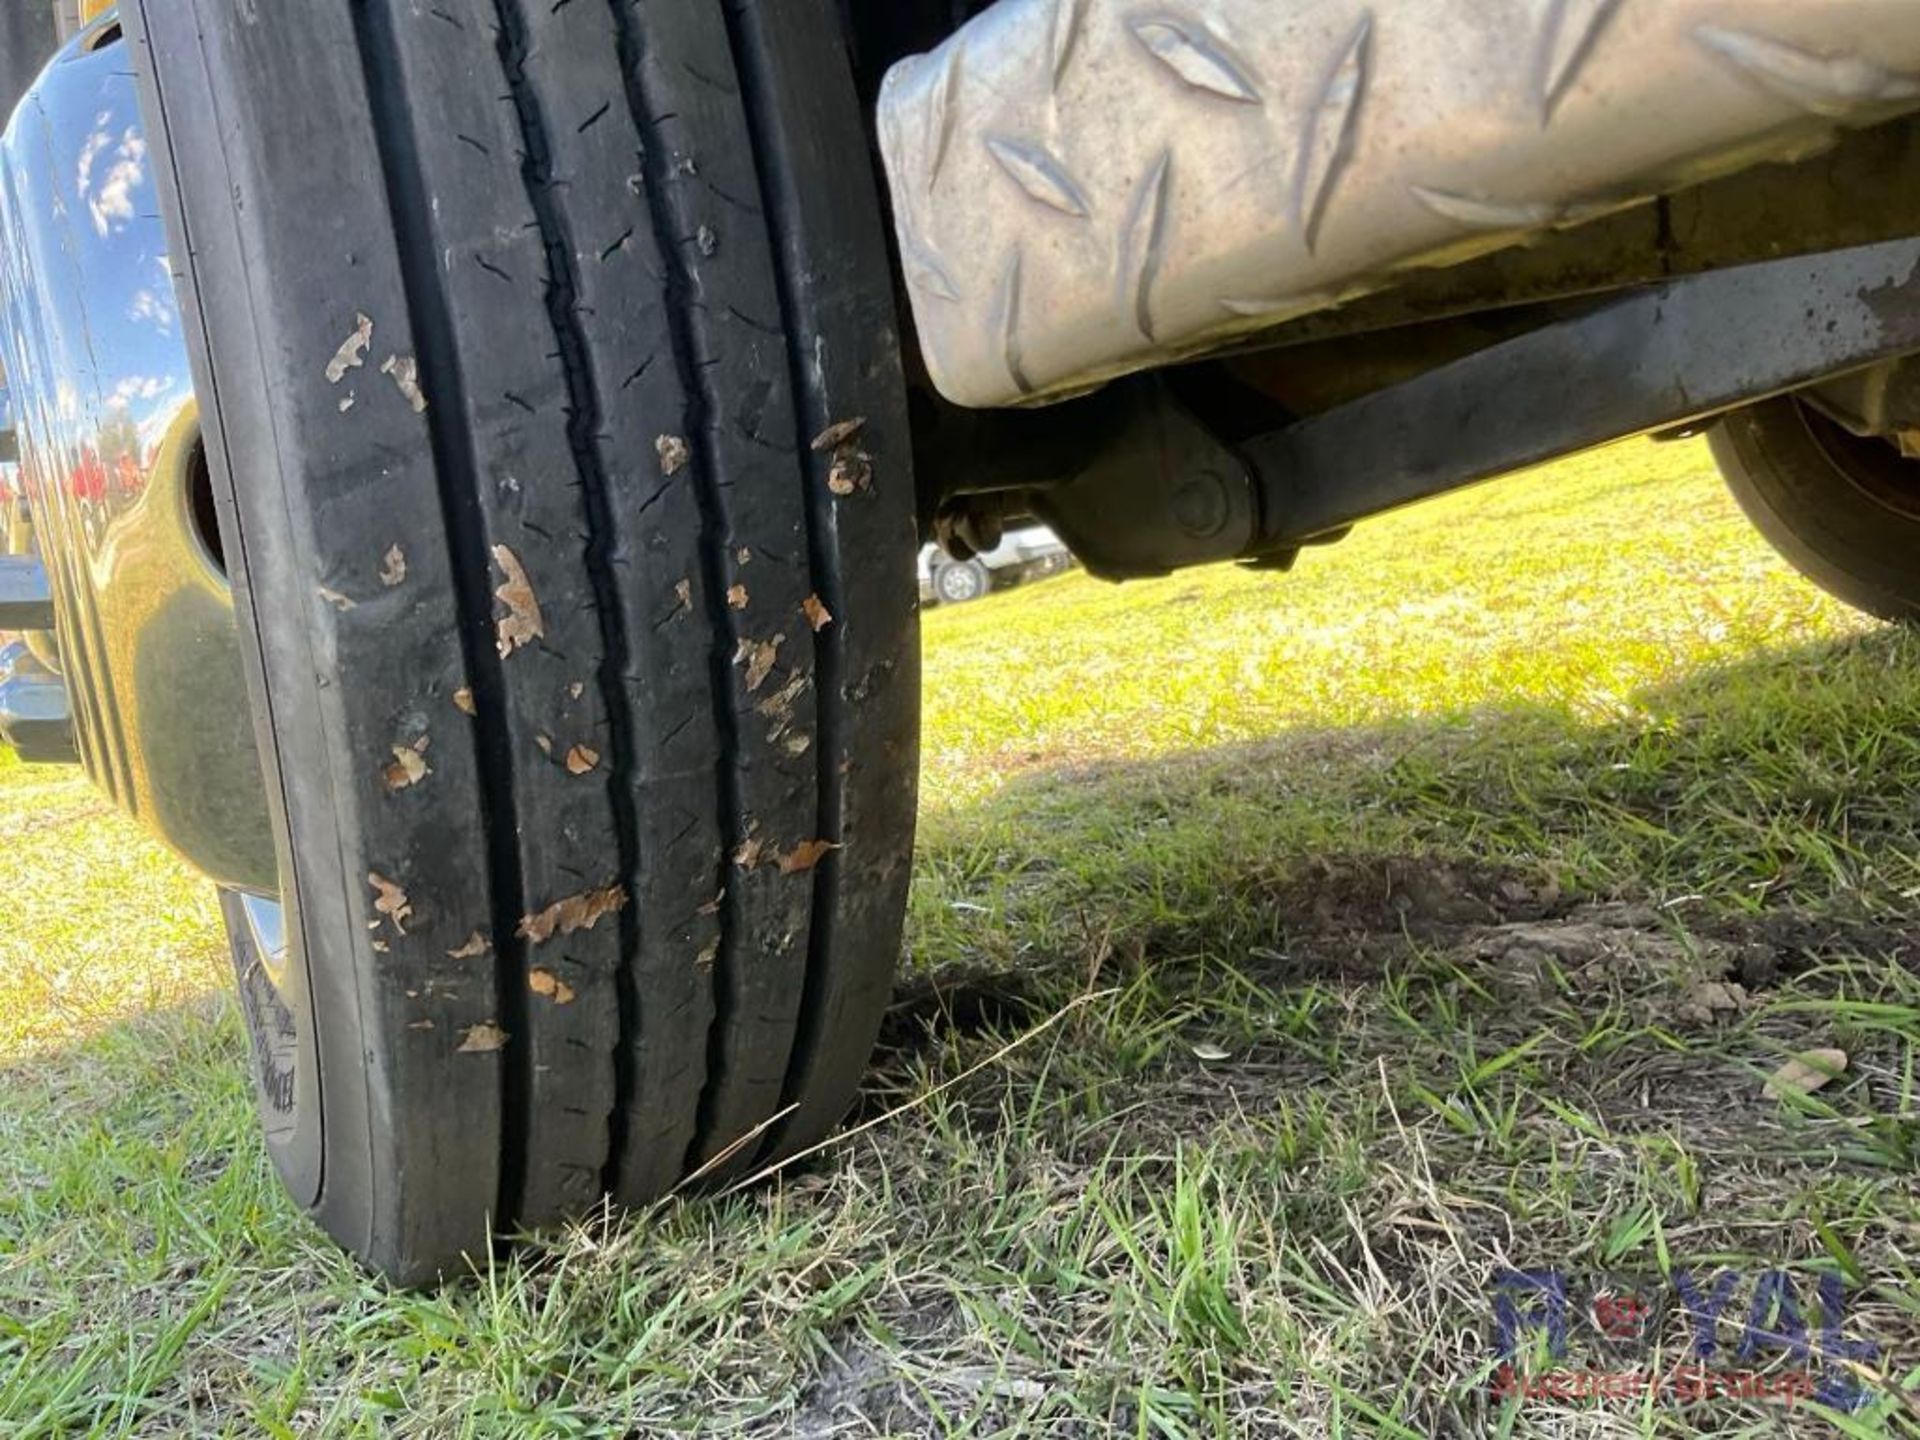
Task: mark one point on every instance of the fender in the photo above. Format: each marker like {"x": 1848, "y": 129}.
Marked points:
{"x": 112, "y": 473}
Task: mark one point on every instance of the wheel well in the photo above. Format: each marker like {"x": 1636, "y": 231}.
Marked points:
{"x": 882, "y": 31}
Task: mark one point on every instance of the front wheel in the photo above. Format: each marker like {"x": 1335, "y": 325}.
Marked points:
{"x": 1843, "y": 509}
{"x": 560, "y": 439}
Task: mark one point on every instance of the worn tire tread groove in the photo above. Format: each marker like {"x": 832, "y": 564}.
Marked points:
{"x": 823, "y": 560}
{"x": 575, "y": 356}
{"x": 790, "y": 57}
{"x": 442, "y": 380}
{"x": 696, "y": 427}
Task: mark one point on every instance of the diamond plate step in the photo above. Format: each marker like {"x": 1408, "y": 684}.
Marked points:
{"x": 1089, "y": 187}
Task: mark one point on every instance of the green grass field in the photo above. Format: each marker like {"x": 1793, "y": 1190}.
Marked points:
{"x": 1288, "y": 954}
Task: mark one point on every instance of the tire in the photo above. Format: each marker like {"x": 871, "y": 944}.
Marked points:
{"x": 1843, "y": 509}
{"x": 586, "y": 686}
{"x": 27, "y": 42}
{"x": 958, "y": 582}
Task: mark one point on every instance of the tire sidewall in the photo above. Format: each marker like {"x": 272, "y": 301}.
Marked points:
{"x": 281, "y": 1050}
{"x": 1798, "y": 493}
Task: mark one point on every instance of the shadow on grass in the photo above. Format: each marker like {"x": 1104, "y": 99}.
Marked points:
{"x": 1515, "y": 977}
{"x": 1349, "y": 977}
{"x": 1769, "y": 802}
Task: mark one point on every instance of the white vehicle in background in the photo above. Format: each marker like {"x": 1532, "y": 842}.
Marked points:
{"x": 1030, "y": 553}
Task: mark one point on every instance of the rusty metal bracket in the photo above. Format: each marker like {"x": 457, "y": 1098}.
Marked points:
{"x": 1140, "y": 485}
{"x": 1664, "y": 356}
{"x": 1161, "y": 494}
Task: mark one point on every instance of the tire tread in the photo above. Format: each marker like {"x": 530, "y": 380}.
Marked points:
{"x": 622, "y": 343}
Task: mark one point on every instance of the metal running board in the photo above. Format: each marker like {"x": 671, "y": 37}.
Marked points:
{"x": 1085, "y": 188}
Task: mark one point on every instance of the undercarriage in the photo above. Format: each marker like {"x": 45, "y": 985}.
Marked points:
{"x": 462, "y": 472}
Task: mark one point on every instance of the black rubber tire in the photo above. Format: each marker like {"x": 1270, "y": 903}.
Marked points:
{"x": 1843, "y": 509}
{"x": 500, "y": 287}
{"x": 960, "y": 581}
{"x": 27, "y": 42}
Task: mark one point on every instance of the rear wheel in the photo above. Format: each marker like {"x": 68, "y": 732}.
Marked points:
{"x": 1844, "y": 509}
{"x": 558, "y": 426}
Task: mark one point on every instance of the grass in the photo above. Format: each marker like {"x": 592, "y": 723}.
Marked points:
{"x": 1288, "y": 955}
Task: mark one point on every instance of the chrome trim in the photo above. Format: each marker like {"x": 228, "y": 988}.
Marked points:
{"x": 94, "y": 352}
{"x": 266, "y": 921}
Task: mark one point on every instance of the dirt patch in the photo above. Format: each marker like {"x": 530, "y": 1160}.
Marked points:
{"x": 869, "y": 1389}
{"x": 44, "y": 824}
{"x": 1424, "y": 897}
{"x": 1775, "y": 946}
{"x": 1348, "y": 917}
{"x": 1608, "y": 954}
{"x": 1692, "y": 974}
{"x": 926, "y": 1008}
